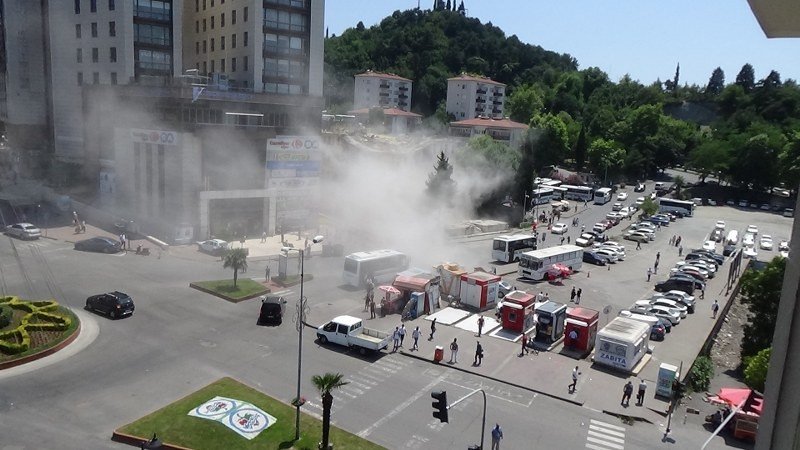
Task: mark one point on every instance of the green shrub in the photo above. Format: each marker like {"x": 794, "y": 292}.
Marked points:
{"x": 5, "y": 315}
{"x": 755, "y": 372}
{"x": 525, "y": 225}
{"x": 701, "y": 373}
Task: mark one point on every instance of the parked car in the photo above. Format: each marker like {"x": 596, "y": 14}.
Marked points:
{"x": 214, "y": 247}
{"x": 349, "y": 331}
{"x": 765, "y": 242}
{"x": 720, "y": 225}
{"x": 636, "y": 236}
{"x": 113, "y": 304}
{"x": 666, "y": 324}
{"x": 639, "y": 201}
{"x": 788, "y": 212}
{"x": 714, "y": 256}
{"x": 559, "y": 228}
{"x": 750, "y": 252}
{"x": 658, "y": 311}
{"x": 622, "y": 196}
{"x": 649, "y": 226}
{"x": 728, "y": 249}
{"x": 616, "y": 206}
{"x": 614, "y": 217}
{"x": 593, "y": 258}
{"x": 743, "y": 203}
{"x": 658, "y": 332}
{"x": 639, "y": 187}
{"x": 700, "y": 264}
{"x": 272, "y": 309}
{"x": 659, "y": 220}
{"x": 749, "y": 240}
{"x": 598, "y": 237}
{"x": 693, "y": 272}
{"x": 23, "y": 231}
{"x": 673, "y": 284}
{"x": 585, "y": 240}
{"x": 709, "y": 245}
{"x": 99, "y": 244}
{"x": 764, "y": 207}
{"x": 698, "y": 284}
{"x": 671, "y": 304}
{"x": 612, "y": 255}
{"x": 599, "y": 227}
{"x": 752, "y": 229}
{"x": 783, "y": 248}
{"x": 717, "y": 236}
{"x": 679, "y": 296}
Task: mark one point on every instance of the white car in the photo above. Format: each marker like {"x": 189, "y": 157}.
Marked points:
{"x": 661, "y": 312}
{"x": 584, "y": 240}
{"x": 639, "y": 201}
{"x": 752, "y": 229}
{"x": 645, "y": 225}
{"x": 610, "y": 253}
{"x": 708, "y": 267}
{"x": 750, "y": 252}
{"x": 614, "y": 216}
{"x": 667, "y": 303}
{"x": 678, "y": 296}
{"x": 213, "y": 246}
{"x": 749, "y": 240}
{"x": 559, "y": 228}
{"x": 766, "y": 242}
{"x": 690, "y": 269}
{"x": 783, "y": 246}
{"x": 622, "y": 196}
{"x": 23, "y": 231}
{"x": 616, "y": 206}
{"x": 647, "y": 234}
{"x": 720, "y": 225}
{"x": 626, "y": 212}
{"x": 709, "y": 245}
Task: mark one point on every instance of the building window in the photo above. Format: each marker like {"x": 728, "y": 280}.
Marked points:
{"x": 245, "y": 63}
{"x": 212, "y": 21}
{"x": 197, "y": 48}
{"x": 113, "y": 77}
{"x": 233, "y": 64}
{"x": 205, "y": 67}
{"x": 222, "y": 65}
{"x": 77, "y": 31}
{"x": 80, "y": 74}
{"x": 212, "y": 65}
{"x": 196, "y": 5}
{"x": 285, "y": 20}
{"x": 197, "y": 26}
{"x": 204, "y": 46}
{"x": 233, "y": 40}
{"x": 95, "y": 55}
{"x": 233, "y": 17}
{"x": 204, "y": 5}
{"x": 212, "y": 44}
{"x": 246, "y": 35}
{"x": 112, "y": 5}
{"x": 222, "y": 20}
{"x": 96, "y": 77}
{"x": 112, "y": 54}
{"x": 112, "y": 28}
{"x": 78, "y": 11}
{"x": 212, "y": 3}
{"x": 246, "y": 9}
{"x": 94, "y": 29}
{"x": 222, "y": 43}
{"x": 79, "y": 55}
{"x": 204, "y": 25}
{"x": 93, "y": 6}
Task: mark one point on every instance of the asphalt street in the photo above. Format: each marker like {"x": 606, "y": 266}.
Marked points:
{"x": 180, "y": 340}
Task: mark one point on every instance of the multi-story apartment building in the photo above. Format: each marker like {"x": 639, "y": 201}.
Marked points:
{"x": 270, "y": 46}
{"x": 469, "y": 97}
{"x": 382, "y": 90}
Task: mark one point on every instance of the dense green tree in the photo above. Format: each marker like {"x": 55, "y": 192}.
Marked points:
{"x": 649, "y": 207}
{"x": 756, "y": 367}
{"x": 789, "y": 162}
{"x": 755, "y": 157}
{"x": 710, "y": 157}
{"x": 580, "y": 150}
{"x": 440, "y": 182}
{"x": 524, "y": 103}
{"x": 716, "y": 83}
{"x": 761, "y": 293}
{"x": 606, "y": 158}
{"x": 746, "y": 78}
{"x": 550, "y": 141}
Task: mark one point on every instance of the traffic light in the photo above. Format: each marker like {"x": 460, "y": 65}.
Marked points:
{"x": 440, "y": 405}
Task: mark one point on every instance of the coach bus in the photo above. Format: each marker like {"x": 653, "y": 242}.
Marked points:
{"x": 380, "y": 265}
{"x": 602, "y": 196}
{"x": 508, "y": 248}
{"x": 541, "y": 196}
{"x": 686, "y": 207}
{"x": 582, "y": 193}
{"x": 536, "y": 264}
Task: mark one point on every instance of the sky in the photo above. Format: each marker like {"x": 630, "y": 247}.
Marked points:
{"x": 643, "y": 38}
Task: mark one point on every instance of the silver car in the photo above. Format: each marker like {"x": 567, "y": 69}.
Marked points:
{"x": 23, "y": 231}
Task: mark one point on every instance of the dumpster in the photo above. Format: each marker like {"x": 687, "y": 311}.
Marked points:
{"x": 438, "y": 353}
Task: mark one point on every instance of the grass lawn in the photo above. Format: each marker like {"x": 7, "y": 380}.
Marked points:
{"x": 245, "y": 288}
{"x": 175, "y": 426}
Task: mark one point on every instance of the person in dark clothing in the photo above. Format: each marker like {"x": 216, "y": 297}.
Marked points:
{"x": 627, "y": 390}
{"x": 478, "y": 354}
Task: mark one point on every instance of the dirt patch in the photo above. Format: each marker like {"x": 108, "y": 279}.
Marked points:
{"x": 726, "y": 347}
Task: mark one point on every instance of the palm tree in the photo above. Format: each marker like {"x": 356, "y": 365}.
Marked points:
{"x": 325, "y": 384}
{"x": 679, "y": 183}
{"x": 235, "y": 259}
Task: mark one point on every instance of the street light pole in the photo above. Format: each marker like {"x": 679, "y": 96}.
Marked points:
{"x": 301, "y": 313}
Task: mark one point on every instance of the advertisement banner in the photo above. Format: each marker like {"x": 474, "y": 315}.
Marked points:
{"x": 292, "y": 143}
{"x": 292, "y": 183}
{"x": 244, "y": 418}
{"x": 296, "y": 165}
{"x": 294, "y": 156}
{"x": 156, "y": 137}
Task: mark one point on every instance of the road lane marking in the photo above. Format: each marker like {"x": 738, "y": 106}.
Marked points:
{"x": 605, "y": 436}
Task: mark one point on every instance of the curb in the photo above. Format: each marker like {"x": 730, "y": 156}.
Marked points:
{"x": 228, "y": 299}
{"x": 527, "y": 388}
{"x": 60, "y": 346}
{"x": 137, "y": 441}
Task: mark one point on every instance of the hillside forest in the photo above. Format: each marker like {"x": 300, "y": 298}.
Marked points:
{"x": 743, "y": 130}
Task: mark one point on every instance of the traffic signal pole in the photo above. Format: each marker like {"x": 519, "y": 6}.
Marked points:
{"x": 483, "y": 422}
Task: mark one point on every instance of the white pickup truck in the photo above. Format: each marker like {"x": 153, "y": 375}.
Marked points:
{"x": 349, "y": 331}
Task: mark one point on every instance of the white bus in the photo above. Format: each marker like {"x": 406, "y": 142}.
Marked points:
{"x": 602, "y": 196}
{"x": 381, "y": 265}
{"x": 550, "y": 183}
{"x": 671, "y": 205}
{"x": 584, "y": 193}
{"x": 535, "y": 264}
{"x": 508, "y": 248}
{"x": 541, "y": 196}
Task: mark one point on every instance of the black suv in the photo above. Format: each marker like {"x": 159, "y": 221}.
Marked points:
{"x": 113, "y": 304}
{"x": 272, "y": 309}
{"x": 677, "y": 284}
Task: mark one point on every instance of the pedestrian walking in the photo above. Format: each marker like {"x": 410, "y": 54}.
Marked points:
{"x": 572, "y": 294}
{"x": 454, "y": 352}
{"x": 638, "y": 245}
{"x": 649, "y": 273}
{"x": 627, "y": 390}
{"x": 402, "y": 334}
{"x": 578, "y": 297}
{"x": 480, "y": 325}
{"x": 640, "y": 394}
{"x": 703, "y": 291}
{"x": 372, "y": 309}
{"x": 497, "y": 434}
{"x": 83, "y": 226}
{"x": 567, "y": 239}
{"x": 263, "y": 237}
{"x": 396, "y": 338}
{"x": 478, "y": 355}
{"x": 655, "y": 267}
{"x": 678, "y": 241}
{"x": 524, "y": 350}
{"x": 680, "y": 250}
{"x": 562, "y": 240}
{"x": 658, "y": 256}
{"x": 433, "y": 329}
{"x": 714, "y": 309}
{"x": 415, "y": 335}
{"x": 575, "y": 374}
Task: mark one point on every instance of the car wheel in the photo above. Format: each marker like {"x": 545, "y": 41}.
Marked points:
{"x": 323, "y": 340}
{"x": 362, "y": 351}
{"x": 113, "y": 314}
{"x": 88, "y": 306}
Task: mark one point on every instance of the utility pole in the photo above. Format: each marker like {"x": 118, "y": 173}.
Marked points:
{"x": 441, "y": 407}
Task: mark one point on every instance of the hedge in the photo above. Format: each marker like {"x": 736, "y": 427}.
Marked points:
{"x": 5, "y": 315}
{"x": 18, "y": 340}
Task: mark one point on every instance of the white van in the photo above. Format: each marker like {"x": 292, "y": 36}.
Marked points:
{"x": 732, "y": 238}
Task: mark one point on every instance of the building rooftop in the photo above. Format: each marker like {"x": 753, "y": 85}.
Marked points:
{"x": 390, "y": 76}
{"x": 386, "y": 112}
{"x": 489, "y": 123}
{"x": 465, "y": 77}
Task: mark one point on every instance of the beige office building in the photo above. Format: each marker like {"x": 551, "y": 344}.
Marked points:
{"x": 469, "y": 97}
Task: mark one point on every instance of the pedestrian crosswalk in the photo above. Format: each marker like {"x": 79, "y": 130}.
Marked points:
{"x": 605, "y": 436}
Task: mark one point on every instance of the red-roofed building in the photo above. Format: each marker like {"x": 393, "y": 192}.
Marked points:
{"x": 396, "y": 120}
{"x": 503, "y": 130}
{"x": 384, "y": 90}
{"x": 469, "y": 97}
